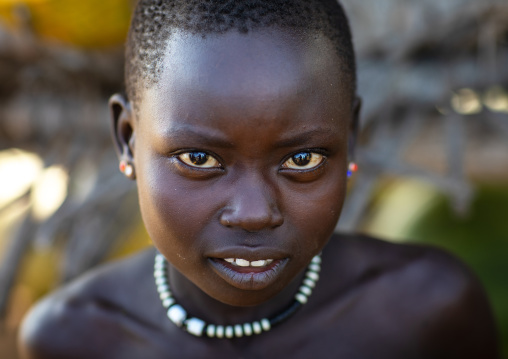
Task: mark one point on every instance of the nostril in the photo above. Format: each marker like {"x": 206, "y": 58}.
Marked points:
{"x": 253, "y": 206}
{"x": 278, "y": 220}
{"x": 251, "y": 221}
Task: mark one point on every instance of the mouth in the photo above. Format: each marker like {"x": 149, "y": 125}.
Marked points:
{"x": 248, "y": 274}
{"x": 239, "y": 262}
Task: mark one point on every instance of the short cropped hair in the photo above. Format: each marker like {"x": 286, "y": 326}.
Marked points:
{"x": 154, "y": 21}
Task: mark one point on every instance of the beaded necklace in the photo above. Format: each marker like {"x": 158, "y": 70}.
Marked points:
{"x": 195, "y": 326}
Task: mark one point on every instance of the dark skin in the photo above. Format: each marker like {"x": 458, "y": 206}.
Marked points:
{"x": 217, "y": 147}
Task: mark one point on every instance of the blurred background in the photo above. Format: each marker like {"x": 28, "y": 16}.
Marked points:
{"x": 433, "y": 160}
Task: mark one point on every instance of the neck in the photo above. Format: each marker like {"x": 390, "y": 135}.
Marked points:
{"x": 201, "y": 305}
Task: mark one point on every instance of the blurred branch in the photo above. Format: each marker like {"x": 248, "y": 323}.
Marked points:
{"x": 12, "y": 259}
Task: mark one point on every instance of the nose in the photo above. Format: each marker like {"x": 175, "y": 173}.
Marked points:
{"x": 252, "y": 206}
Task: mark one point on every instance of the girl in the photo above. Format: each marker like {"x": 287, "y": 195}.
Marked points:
{"x": 239, "y": 128}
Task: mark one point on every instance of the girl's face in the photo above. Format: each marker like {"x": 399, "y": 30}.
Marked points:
{"x": 240, "y": 153}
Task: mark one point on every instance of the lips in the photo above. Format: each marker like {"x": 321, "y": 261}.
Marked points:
{"x": 248, "y": 274}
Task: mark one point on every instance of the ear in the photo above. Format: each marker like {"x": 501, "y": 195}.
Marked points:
{"x": 354, "y": 127}
{"x": 122, "y": 127}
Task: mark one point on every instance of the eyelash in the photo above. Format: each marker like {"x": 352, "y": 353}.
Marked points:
{"x": 312, "y": 152}
{"x": 178, "y": 156}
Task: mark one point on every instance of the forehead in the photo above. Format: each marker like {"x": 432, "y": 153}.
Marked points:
{"x": 248, "y": 75}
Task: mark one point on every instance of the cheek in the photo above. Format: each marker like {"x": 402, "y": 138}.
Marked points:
{"x": 315, "y": 210}
{"x": 174, "y": 211}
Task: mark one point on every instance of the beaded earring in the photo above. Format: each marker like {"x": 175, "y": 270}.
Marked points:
{"x": 127, "y": 169}
{"x": 352, "y": 168}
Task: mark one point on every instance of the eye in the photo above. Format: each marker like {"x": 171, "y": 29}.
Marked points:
{"x": 199, "y": 159}
{"x": 304, "y": 161}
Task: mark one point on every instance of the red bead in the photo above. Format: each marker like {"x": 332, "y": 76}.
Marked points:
{"x": 353, "y": 167}
{"x": 122, "y": 166}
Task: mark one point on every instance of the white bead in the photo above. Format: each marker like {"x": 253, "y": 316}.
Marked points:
{"x": 195, "y": 326}
{"x": 166, "y": 303}
{"x": 256, "y": 327}
{"x": 158, "y": 273}
{"x": 210, "y": 330}
{"x": 160, "y": 281}
{"x": 265, "y": 323}
{"x": 247, "y": 329}
{"x": 302, "y": 298}
{"x": 313, "y": 275}
{"x": 238, "y": 331}
{"x": 309, "y": 283}
{"x": 315, "y": 268}
{"x": 229, "y": 332}
{"x": 177, "y": 314}
{"x": 316, "y": 259}
{"x": 159, "y": 266}
{"x": 164, "y": 295}
{"x": 305, "y": 290}
{"x": 162, "y": 288}
{"x": 160, "y": 258}
{"x": 220, "y": 331}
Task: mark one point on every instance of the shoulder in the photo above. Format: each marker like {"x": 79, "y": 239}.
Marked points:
{"x": 455, "y": 314}
{"x": 426, "y": 292}
{"x": 90, "y": 315}
{"x": 420, "y": 268}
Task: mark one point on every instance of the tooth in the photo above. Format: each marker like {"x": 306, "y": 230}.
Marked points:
{"x": 229, "y": 260}
{"x": 242, "y": 262}
{"x": 259, "y": 263}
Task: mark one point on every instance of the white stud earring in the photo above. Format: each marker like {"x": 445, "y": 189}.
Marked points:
{"x": 127, "y": 169}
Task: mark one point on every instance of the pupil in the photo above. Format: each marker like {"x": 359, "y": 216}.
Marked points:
{"x": 198, "y": 158}
{"x": 301, "y": 159}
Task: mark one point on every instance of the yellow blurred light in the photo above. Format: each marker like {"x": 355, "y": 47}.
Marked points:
{"x": 85, "y": 24}
{"x": 400, "y": 206}
{"x": 466, "y": 102}
{"x": 49, "y": 191}
{"x": 496, "y": 99}
{"x": 18, "y": 170}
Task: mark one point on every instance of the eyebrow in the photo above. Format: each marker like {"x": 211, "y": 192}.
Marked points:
{"x": 211, "y": 137}
{"x": 302, "y": 138}
{"x": 216, "y": 139}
